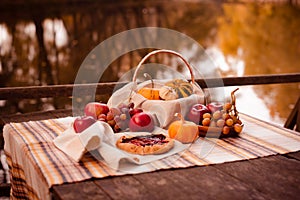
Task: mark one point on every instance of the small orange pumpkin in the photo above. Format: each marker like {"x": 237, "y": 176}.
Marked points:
{"x": 183, "y": 131}
{"x": 150, "y": 93}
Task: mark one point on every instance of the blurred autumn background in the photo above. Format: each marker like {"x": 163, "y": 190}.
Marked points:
{"x": 45, "y": 42}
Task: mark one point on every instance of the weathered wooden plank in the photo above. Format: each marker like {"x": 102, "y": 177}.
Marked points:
{"x": 166, "y": 185}
{"x": 87, "y": 190}
{"x": 197, "y": 183}
{"x": 275, "y": 176}
{"x": 124, "y": 187}
{"x": 57, "y": 90}
{"x": 262, "y": 79}
{"x": 294, "y": 155}
{"x": 108, "y": 88}
{"x": 34, "y": 116}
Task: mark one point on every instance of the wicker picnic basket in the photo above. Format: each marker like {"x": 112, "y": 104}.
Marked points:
{"x": 163, "y": 110}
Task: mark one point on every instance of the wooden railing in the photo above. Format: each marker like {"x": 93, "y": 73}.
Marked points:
{"x": 107, "y": 88}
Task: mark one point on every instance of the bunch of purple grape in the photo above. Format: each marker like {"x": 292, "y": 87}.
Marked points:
{"x": 119, "y": 117}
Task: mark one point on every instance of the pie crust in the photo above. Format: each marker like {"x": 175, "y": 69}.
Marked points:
{"x": 146, "y": 144}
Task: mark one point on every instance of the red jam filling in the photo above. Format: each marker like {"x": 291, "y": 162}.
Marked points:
{"x": 146, "y": 140}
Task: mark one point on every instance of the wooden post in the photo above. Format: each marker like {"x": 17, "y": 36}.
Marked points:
{"x": 294, "y": 118}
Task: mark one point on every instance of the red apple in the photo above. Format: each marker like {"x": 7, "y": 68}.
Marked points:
{"x": 215, "y": 106}
{"x": 135, "y": 111}
{"x": 141, "y": 122}
{"x": 94, "y": 109}
{"x": 82, "y": 123}
{"x": 196, "y": 113}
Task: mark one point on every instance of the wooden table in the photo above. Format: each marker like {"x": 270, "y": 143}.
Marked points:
{"x": 272, "y": 177}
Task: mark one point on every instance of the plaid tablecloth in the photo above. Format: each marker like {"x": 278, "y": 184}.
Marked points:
{"x": 36, "y": 164}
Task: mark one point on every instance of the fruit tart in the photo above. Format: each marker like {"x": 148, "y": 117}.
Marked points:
{"x": 151, "y": 144}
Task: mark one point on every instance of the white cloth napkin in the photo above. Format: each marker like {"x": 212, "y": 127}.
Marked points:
{"x": 163, "y": 110}
{"x": 77, "y": 144}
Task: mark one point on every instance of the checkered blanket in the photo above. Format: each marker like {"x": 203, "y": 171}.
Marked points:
{"x": 36, "y": 164}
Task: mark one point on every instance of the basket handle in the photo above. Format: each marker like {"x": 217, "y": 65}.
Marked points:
{"x": 163, "y": 51}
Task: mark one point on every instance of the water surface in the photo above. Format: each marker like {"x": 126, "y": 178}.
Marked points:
{"x": 44, "y": 44}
